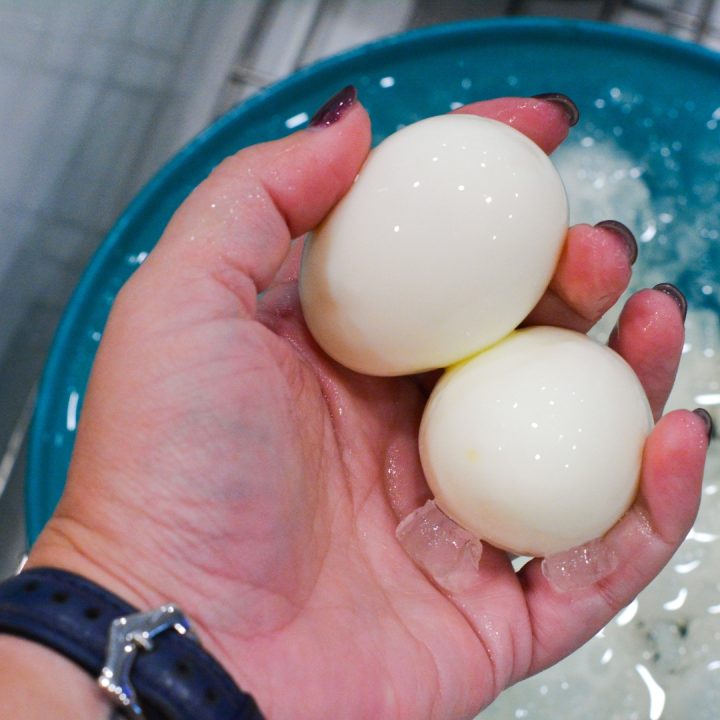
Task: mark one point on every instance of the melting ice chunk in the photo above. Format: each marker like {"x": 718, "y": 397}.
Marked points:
{"x": 448, "y": 553}
{"x": 581, "y": 566}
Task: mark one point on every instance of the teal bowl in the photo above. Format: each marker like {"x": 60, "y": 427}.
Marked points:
{"x": 649, "y": 106}
{"x": 658, "y": 97}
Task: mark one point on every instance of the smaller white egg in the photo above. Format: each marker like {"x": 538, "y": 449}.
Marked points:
{"x": 535, "y": 444}
{"x": 443, "y": 245}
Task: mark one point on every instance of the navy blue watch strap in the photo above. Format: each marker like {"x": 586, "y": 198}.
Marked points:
{"x": 177, "y": 680}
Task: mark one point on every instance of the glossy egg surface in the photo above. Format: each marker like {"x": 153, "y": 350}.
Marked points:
{"x": 445, "y": 242}
{"x": 535, "y": 444}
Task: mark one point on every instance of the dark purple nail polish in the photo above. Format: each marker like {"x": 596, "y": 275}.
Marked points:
{"x": 570, "y": 108}
{"x": 625, "y": 233}
{"x": 676, "y": 294}
{"x": 334, "y": 108}
{"x": 707, "y": 419}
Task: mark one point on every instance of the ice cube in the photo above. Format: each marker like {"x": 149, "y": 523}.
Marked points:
{"x": 446, "y": 552}
{"x": 581, "y": 566}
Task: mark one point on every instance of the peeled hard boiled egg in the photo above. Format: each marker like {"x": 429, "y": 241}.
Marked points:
{"x": 535, "y": 444}
{"x": 447, "y": 239}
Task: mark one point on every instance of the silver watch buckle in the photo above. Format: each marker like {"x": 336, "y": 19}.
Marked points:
{"x": 127, "y": 636}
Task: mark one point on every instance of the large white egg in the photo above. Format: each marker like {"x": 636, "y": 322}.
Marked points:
{"x": 445, "y": 242}
{"x": 535, "y": 444}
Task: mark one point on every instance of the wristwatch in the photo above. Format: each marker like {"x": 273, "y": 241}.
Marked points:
{"x": 149, "y": 663}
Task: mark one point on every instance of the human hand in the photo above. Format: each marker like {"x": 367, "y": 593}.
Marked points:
{"x": 225, "y": 463}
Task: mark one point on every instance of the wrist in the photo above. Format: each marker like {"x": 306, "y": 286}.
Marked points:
{"x": 134, "y": 576}
{"x": 150, "y": 662}
{"x": 60, "y": 549}
{"x": 30, "y": 675}
{"x": 145, "y": 564}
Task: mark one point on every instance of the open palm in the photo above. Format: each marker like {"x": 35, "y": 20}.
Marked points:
{"x": 225, "y": 463}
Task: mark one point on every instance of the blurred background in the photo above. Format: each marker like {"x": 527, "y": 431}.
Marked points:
{"x": 96, "y": 95}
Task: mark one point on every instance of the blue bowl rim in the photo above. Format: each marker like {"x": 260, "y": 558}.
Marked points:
{"x": 146, "y": 198}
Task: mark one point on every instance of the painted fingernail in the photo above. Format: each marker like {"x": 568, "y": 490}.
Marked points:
{"x": 707, "y": 419}
{"x": 334, "y": 108}
{"x": 625, "y": 233}
{"x": 570, "y": 108}
{"x": 676, "y": 294}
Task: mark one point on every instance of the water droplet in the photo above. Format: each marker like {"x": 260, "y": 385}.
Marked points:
{"x": 648, "y": 233}
{"x": 627, "y": 614}
{"x": 72, "y": 408}
{"x": 657, "y": 694}
{"x": 678, "y": 601}
{"x": 685, "y": 568}
{"x": 296, "y": 120}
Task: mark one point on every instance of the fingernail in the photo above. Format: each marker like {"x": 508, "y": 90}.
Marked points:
{"x": 707, "y": 419}
{"x": 570, "y": 108}
{"x": 334, "y": 108}
{"x": 625, "y": 233}
{"x": 676, "y": 294}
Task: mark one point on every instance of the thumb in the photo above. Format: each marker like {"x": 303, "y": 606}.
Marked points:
{"x": 228, "y": 239}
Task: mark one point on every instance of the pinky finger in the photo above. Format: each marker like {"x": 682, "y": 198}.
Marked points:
{"x": 644, "y": 541}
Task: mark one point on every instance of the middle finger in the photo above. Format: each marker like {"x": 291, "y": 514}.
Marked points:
{"x": 593, "y": 271}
